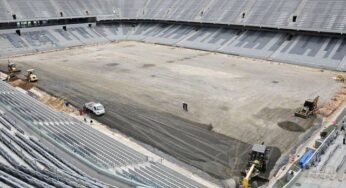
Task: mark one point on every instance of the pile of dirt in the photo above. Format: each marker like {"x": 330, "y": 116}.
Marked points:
{"x": 22, "y": 84}
{"x": 330, "y": 107}
{"x": 57, "y": 103}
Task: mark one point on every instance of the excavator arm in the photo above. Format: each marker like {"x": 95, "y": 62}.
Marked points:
{"x": 246, "y": 180}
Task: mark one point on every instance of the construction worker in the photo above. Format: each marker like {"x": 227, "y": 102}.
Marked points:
{"x": 185, "y": 108}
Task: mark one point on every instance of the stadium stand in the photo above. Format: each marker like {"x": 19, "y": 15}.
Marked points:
{"x": 289, "y": 47}
{"x": 309, "y": 50}
{"x": 24, "y": 162}
{"x": 158, "y": 9}
{"x": 272, "y": 12}
{"x": 235, "y": 27}
{"x": 318, "y": 15}
{"x": 323, "y": 15}
{"x": 228, "y": 11}
{"x": 103, "y": 153}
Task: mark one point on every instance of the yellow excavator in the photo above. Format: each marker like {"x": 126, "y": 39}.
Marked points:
{"x": 257, "y": 165}
{"x": 247, "y": 178}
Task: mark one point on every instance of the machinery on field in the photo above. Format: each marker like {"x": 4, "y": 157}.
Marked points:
{"x": 31, "y": 76}
{"x": 257, "y": 165}
{"x": 12, "y": 68}
{"x": 11, "y": 77}
{"x": 96, "y": 108}
{"x": 340, "y": 78}
{"x": 309, "y": 108}
{"x": 12, "y": 71}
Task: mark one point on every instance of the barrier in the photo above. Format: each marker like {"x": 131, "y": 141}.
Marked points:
{"x": 304, "y": 159}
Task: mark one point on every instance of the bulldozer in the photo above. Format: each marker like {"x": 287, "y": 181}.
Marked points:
{"x": 257, "y": 166}
{"x": 12, "y": 68}
{"x": 309, "y": 108}
{"x": 31, "y": 76}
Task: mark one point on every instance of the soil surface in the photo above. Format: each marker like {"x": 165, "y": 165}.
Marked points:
{"x": 143, "y": 87}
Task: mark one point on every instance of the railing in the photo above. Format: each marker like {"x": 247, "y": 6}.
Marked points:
{"x": 311, "y": 160}
{"x": 28, "y": 23}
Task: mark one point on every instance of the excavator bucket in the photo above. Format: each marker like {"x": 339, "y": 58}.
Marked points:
{"x": 301, "y": 114}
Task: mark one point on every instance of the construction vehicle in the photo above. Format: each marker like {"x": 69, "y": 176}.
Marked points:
{"x": 12, "y": 68}
{"x": 309, "y": 108}
{"x": 340, "y": 78}
{"x": 31, "y": 76}
{"x": 11, "y": 77}
{"x": 96, "y": 108}
{"x": 256, "y": 167}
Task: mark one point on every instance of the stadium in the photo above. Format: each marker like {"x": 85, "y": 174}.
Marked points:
{"x": 195, "y": 93}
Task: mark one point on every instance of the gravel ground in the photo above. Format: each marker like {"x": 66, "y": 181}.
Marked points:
{"x": 143, "y": 87}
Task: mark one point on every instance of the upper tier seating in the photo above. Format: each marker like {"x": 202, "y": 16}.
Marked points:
{"x": 317, "y": 15}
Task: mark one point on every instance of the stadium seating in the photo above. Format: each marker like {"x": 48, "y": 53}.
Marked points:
{"x": 315, "y": 51}
{"x": 21, "y": 153}
{"x": 101, "y": 152}
{"x": 157, "y": 175}
{"x": 275, "y": 13}
{"x": 316, "y": 15}
{"x": 323, "y": 15}
{"x": 25, "y": 162}
{"x": 319, "y": 15}
{"x": 309, "y": 15}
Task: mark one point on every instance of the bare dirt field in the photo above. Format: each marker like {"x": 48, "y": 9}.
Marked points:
{"x": 143, "y": 87}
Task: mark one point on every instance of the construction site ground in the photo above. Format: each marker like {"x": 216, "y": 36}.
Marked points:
{"x": 60, "y": 105}
{"x": 233, "y": 102}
